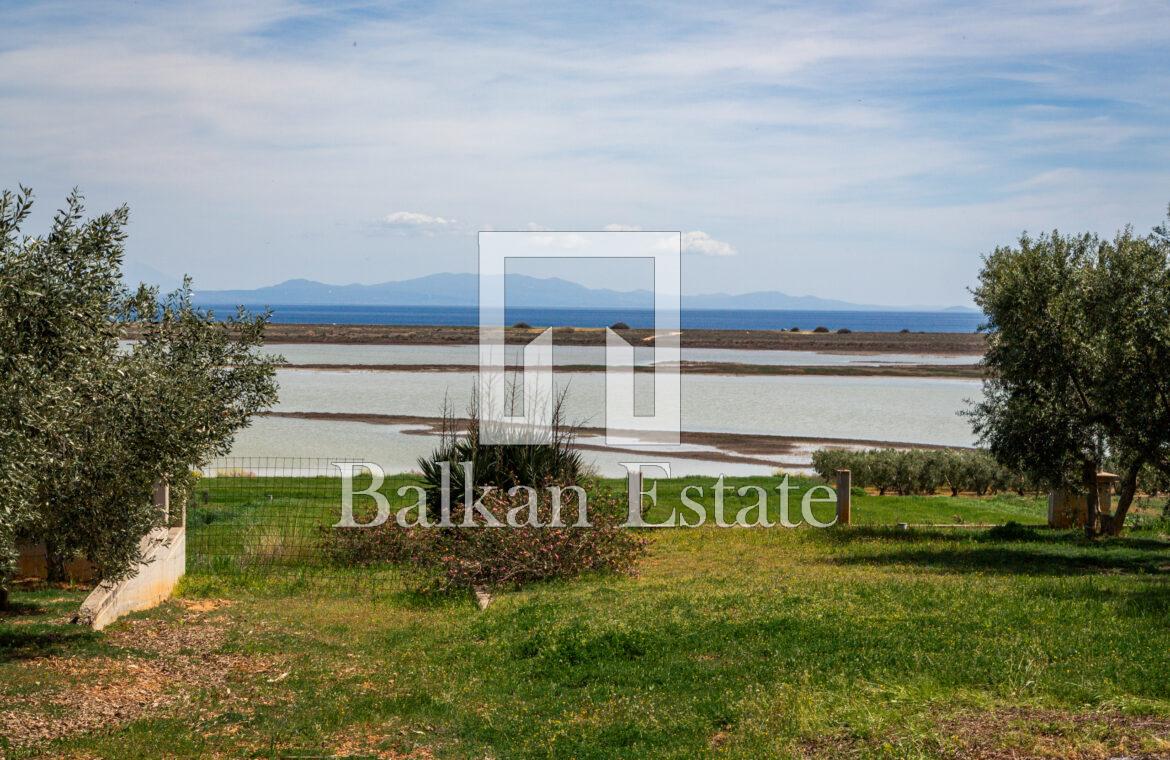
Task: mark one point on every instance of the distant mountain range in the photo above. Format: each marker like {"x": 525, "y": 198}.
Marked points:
{"x": 522, "y": 291}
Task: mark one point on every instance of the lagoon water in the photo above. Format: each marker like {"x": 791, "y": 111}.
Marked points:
{"x": 329, "y": 353}
{"x": 293, "y": 446}
{"x": 951, "y": 320}
{"x": 908, "y": 410}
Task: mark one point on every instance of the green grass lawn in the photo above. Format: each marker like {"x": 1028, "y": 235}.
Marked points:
{"x": 869, "y": 509}
{"x": 860, "y": 642}
{"x": 240, "y": 523}
{"x": 246, "y": 517}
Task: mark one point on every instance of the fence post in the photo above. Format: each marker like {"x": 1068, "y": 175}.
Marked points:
{"x": 162, "y": 499}
{"x": 844, "y": 492}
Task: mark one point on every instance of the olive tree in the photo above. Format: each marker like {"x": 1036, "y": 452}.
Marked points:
{"x": 1078, "y": 334}
{"x": 87, "y": 426}
{"x": 56, "y": 295}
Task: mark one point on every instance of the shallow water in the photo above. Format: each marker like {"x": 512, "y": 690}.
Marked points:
{"x": 913, "y": 410}
{"x": 328, "y": 353}
{"x": 293, "y": 447}
{"x": 907, "y": 410}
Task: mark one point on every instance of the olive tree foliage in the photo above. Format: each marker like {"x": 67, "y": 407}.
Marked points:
{"x": 87, "y": 427}
{"x": 1078, "y": 349}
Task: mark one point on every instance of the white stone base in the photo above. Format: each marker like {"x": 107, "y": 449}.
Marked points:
{"x": 164, "y": 563}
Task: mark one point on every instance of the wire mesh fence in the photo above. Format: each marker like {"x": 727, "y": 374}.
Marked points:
{"x": 266, "y": 514}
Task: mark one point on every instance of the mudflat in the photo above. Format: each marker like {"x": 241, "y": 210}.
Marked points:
{"x": 941, "y": 344}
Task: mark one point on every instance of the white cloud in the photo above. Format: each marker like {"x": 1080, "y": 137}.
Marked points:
{"x": 622, "y": 228}
{"x": 816, "y": 128}
{"x": 703, "y": 244}
{"x": 415, "y": 219}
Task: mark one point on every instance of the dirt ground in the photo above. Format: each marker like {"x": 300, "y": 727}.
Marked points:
{"x": 153, "y": 665}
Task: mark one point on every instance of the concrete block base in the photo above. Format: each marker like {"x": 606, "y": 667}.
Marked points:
{"x": 164, "y": 563}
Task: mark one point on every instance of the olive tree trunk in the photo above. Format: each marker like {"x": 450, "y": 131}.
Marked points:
{"x": 54, "y": 562}
{"x": 1125, "y": 496}
{"x": 1089, "y": 482}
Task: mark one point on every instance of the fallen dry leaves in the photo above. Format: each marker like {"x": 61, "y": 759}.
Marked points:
{"x": 1013, "y": 733}
{"x": 162, "y": 663}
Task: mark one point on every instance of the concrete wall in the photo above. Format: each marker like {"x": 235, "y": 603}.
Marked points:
{"x": 165, "y": 562}
{"x": 1071, "y": 510}
{"x": 32, "y": 563}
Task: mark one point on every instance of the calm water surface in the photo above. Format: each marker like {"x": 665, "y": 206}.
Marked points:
{"x": 910, "y": 410}
{"x": 328, "y": 353}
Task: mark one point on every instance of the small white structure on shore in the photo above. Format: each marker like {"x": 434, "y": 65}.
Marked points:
{"x": 1067, "y": 509}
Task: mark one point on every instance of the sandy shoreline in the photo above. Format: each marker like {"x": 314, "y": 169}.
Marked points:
{"x": 740, "y": 448}
{"x": 937, "y": 344}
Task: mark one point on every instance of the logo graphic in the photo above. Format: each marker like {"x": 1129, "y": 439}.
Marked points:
{"x": 515, "y": 411}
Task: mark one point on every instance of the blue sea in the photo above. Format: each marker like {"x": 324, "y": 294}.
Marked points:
{"x": 720, "y": 319}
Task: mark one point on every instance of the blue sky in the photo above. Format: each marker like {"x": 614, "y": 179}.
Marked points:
{"x": 864, "y": 152}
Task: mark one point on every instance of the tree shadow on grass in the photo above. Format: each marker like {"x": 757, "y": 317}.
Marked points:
{"x": 21, "y": 609}
{"x": 1145, "y": 599}
{"x": 36, "y": 624}
{"x": 1005, "y": 550}
{"x": 44, "y": 640}
{"x": 1009, "y": 532}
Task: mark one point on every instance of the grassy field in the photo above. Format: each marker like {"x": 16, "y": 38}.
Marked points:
{"x": 240, "y": 522}
{"x": 865, "y": 642}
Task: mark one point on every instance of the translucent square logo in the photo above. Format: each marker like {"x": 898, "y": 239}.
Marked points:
{"x": 521, "y": 410}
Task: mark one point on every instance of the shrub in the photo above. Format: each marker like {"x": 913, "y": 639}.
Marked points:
{"x": 881, "y": 469}
{"x": 793, "y": 329}
{"x": 548, "y": 459}
{"x": 904, "y": 330}
{"x": 951, "y": 467}
{"x": 980, "y": 472}
{"x": 919, "y": 471}
{"x": 619, "y": 326}
{"x": 820, "y": 329}
{"x": 928, "y": 476}
{"x": 522, "y": 326}
{"x": 844, "y": 331}
{"x": 459, "y": 557}
{"x": 826, "y": 462}
{"x": 463, "y": 557}
{"x": 905, "y": 473}
{"x": 514, "y": 556}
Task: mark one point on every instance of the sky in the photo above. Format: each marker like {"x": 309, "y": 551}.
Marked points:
{"x": 866, "y": 152}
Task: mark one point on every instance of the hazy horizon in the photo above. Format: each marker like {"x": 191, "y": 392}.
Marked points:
{"x": 568, "y": 279}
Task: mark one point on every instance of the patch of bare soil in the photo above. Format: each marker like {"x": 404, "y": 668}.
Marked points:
{"x": 1037, "y": 733}
{"x": 383, "y": 746}
{"x": 162, "y": 663}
